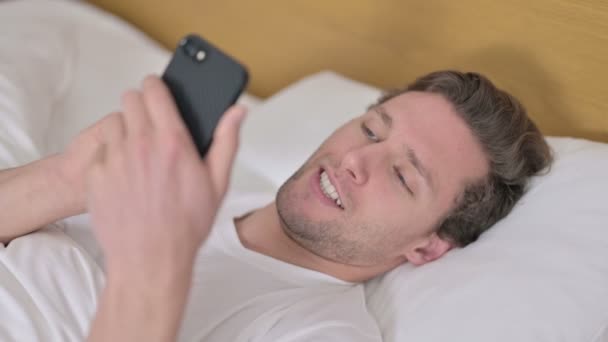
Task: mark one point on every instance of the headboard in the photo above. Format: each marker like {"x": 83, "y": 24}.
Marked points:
{"x": 552, "y": 54}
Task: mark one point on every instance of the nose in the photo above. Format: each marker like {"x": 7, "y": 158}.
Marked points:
{"x": 353, "y": 167}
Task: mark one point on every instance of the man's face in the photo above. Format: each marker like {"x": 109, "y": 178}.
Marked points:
{"x": 397, "y": 169}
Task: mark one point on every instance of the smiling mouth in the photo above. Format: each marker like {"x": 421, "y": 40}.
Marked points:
{"x": 329, "y": 190}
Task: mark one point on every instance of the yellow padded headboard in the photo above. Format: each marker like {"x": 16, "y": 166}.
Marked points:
{"x": 552, "y": 54}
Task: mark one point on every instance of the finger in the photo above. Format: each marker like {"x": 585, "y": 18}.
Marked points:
{"x": 161, "y": 107}
{"x": 99, "y": 158}
{"x": 223, "y": 149}
{"x": 95, "y": 170}
{"x": 113, "y": 128}
{"x": 137, "y": 122}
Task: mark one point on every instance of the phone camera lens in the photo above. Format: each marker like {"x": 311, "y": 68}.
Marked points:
{"x": 191, "y": 49}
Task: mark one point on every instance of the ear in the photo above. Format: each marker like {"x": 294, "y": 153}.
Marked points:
{"x": 430, "y": 248}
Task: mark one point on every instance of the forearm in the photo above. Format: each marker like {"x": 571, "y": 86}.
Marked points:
{"x": 136, "y": 309}
{"x": 32, "y": 196}
{"x": 8, "y": 173}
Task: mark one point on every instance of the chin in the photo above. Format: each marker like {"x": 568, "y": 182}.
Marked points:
{"x": 290, "y": 205}
{"x": 312, "y": 225}
{"x": 320, "y": 237}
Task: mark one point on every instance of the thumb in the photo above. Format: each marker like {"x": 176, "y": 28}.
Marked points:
{"x": 223, "y": 150}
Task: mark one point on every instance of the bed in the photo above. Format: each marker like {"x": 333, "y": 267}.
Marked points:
{"x": 541, "y": 274}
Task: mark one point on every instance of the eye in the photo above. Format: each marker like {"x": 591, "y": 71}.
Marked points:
{"x": 403, "y": 181}
{"x": 369, "y": 133}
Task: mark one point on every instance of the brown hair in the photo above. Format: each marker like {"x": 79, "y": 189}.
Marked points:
{"x": 514, "y": 146}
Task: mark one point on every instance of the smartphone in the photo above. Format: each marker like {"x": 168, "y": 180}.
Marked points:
{"x": 204, "y": 82}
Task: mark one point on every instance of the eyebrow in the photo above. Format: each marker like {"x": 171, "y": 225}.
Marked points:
{"x": 386, "y": 119}
{"x": 411, "y": 154}
{"x": 422, "y": 170}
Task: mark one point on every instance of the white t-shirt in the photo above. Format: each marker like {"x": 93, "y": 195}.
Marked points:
{"x": 237, "y": 294}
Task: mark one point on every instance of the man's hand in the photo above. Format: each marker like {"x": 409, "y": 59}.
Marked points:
{"x": 149, "y": 193}
{"x": 77, "y": 158}
{"x": 152, "y": 202}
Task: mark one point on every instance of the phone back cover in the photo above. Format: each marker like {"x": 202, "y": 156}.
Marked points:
{"x": 204, "y": 90}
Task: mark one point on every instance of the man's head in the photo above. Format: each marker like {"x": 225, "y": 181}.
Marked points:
{"x": 427, "y": 168}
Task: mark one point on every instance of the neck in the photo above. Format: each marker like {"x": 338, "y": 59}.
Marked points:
{"x": 261, "y": 231}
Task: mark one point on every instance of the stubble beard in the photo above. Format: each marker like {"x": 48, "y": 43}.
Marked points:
{"x": 322, "y": 238}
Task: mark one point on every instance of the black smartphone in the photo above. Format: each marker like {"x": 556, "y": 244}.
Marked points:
{"x": 204, "y": 82}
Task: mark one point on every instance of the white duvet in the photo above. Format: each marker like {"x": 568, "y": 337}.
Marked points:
{"x": 48, "y": 288}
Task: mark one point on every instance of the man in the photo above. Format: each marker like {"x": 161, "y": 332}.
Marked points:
{"x": 426, "y": 169}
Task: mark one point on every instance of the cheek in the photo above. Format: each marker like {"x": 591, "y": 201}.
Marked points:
{"x": 394, "y": 217}
{"x": 381, "y": 214}
{"x": 382, "y": 195}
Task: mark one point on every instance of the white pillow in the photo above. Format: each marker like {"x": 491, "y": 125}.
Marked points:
{"x": 539, "y": 275}
{"x": 280, "y": 135}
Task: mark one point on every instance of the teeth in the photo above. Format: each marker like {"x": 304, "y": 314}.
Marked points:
{"x": 329, "y": 190}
